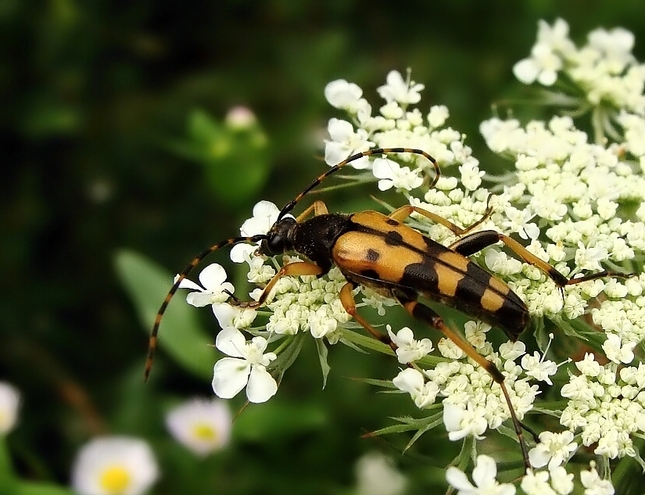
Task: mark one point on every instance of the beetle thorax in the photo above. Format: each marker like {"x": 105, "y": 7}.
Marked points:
{"x": 315, "y": 238}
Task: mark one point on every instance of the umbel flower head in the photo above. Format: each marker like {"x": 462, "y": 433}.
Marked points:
{"x": 573, "y": 200}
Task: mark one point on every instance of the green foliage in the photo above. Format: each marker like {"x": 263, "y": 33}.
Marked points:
{"x": 182, "y": 336}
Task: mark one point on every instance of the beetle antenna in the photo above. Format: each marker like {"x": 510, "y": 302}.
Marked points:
{"x": 152, "y": 343}
{"x": 356, "y": 156}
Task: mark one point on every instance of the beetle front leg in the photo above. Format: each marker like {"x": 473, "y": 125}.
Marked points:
{"x": 317, "y": 207}
{"x": 295, "y": 269}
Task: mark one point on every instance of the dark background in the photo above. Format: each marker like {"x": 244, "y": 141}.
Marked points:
{"x": 97, "y": 99}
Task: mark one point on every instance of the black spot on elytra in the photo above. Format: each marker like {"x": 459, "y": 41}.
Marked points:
{"x": 391, "y": 221}
{"x": 372, "y": 255}
{"x": 393, "y": 238}
{"x": 472, "y": 285}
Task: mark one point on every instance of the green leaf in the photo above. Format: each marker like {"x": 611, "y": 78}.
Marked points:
{"x": 275, "y": 420}
{"x": 180, "y": 334}
{"x": 235, "y": 160}
{"x": 322, "y": 356}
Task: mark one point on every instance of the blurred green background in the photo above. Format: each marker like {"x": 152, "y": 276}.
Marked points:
{"x": 112, "y": 138}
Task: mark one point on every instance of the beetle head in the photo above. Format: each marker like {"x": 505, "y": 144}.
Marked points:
{"x": 279, "y": 238}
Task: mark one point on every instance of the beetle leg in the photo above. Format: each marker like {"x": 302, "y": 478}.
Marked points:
{"x": 477, "y": 241}
{"x": 427, "y": 315}
{"x": 297, "y": 268}
{"x": 349, "y": 304}
{"x": 405, "y": 211}
{"x": 317, "y": 207}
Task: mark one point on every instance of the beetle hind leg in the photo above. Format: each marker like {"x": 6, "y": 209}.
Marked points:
{"x": 428, "y": 316}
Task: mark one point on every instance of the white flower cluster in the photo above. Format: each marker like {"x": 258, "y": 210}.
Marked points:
{"x": 607, "y": 404}
{"x": 472, "y": 404}
{"x": 577, "y": 194}
{"x": 555, "y": 481}
{"x": 396, "y": 125}
{"x": 574, "y": 202}
{"x": 604, "y": 68}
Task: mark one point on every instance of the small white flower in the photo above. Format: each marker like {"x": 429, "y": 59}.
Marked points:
{"x": 246, "y": 367}
{"x": 554, "y": 449}
{"x": 594, "y": 485}
{"x": 393, "y": 175}
{"x": 229, "y": 316}
{"x": 589, "y": 258}
{"x": 201, "y": 425}
{"x": 537, "y": 483}
{"x": 375, "y": 475}
{"x": 510, "y": 351}
{"x": 265, "y": 214}
{"x": 542, "y": 66}
{"x": 461, "y": 422}
{"x": 449, "y": 349}
{"x": 484, "y": 476}
{"x": 539, "y": 368}
{"x": 342, "y": 94}
{"x": 408, "y": 348}
{"x": 116, "y": 465}
{"x": 9, "y": 405}
{"x": 240, "y": 118}
{"x": 213, "y": 288}
{"x": 546, "y": 56}
{"x": 471, "y": 176}
{"x": 412, "y": 381}
{"x": 344, "y": 141}
{"x": 561, "y": 480}
{"x": 399, "y": 90}
{"x": 437, "y": 116}
{"x": 499, "y": 262}
{"x": 618, "y": 352}
{"x": 475, "y": 332}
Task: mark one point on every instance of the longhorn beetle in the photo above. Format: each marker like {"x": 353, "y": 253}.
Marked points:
{"x": 380, "y": 252}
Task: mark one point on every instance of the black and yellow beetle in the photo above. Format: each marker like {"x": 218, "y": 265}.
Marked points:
{"x": 381, "y": 252}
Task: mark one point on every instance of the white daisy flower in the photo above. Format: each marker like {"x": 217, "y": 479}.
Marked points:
{"x": 115, "y": 465}
{"x": 203, "y": 426}
{"x": 9, "y": 406}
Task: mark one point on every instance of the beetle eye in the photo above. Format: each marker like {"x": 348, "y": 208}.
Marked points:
{"x": 273, "y": 245}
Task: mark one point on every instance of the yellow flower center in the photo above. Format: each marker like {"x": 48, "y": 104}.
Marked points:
{"x": 115, "y": 479}
{"x": 204, "y": 432}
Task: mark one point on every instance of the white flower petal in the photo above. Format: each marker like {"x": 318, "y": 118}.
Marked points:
{"x": 212, "y": 276}
{"x": 240, "y": 252}
{"x": 231, "y": 341}
{"x": 230, "y": 376}
{"x": 188, "y": 284}
{"x": 199, "y": 299}
{"x": 485, "y": 471}
{"x": 458, "y": 479}
{"x": 526, "y": 70}
{"x": 262, "y": 386}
